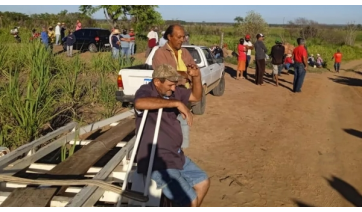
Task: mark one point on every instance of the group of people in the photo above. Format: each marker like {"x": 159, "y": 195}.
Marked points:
{"x": 280, "y": 59}
{"x": 50, "y": 37}
{"x": 122, "y": 43}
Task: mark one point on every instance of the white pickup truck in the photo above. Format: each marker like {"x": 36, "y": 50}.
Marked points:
{"x": 212, "y": 76}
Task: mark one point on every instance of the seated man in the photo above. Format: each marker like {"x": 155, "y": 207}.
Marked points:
{"x": 181, "y": 180}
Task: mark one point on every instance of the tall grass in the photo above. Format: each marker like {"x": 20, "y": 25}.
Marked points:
{"x": 40, "y": 91}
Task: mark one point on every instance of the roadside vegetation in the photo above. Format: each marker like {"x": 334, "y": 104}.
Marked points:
{"x": 41, "y": 91}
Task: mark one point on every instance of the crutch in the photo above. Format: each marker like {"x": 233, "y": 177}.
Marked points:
{"x": 135, "y": 148}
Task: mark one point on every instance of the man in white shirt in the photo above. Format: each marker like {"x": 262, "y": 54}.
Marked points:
{"x": 57, "y": 34}
{"x": 163, "y": 41}
{"x": 247, "y": 42}
{"x": 152, "y": 40}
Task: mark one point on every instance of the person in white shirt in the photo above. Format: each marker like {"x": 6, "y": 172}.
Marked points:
{"x": 57, "y": 34}
{"x": 163, "y": 41}
{"x": 152, "y": 40}
{"x": 247, "y": 42}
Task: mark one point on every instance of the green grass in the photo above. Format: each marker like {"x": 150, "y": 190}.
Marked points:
{"x": 40, "y": 91}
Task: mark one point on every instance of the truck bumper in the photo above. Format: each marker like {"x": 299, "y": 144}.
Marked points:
{"x": 124, "y": 98}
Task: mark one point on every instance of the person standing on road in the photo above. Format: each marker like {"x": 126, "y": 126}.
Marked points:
{"x": 70, "y": 42}
{"x": 248, "y": 43}
{"x": 337, "y": 60}
{"x": 241, "y": 59}
{"x": 152, "y": 41}
{"x": 115, "y": 43}
{"x": 260, "y": 52}
{"x": 277, "y": 53}
{"x": 57, "y": 34}
{"x": 125, "y": 40}
{"x": 62, "y": 32}
{"x": 180, "y": 58}
{"x": 180, "y": 179}
{"x": 300, "y": 65}
{"x": 132, "y": 36}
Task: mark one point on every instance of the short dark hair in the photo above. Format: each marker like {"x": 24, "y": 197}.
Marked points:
{"x": 169, "y": 30}
{"x": 241, "y": 41}
{"x": 300, "y": 41}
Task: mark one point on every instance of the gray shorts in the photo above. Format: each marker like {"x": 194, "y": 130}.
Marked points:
{"x": 277, "y": 69}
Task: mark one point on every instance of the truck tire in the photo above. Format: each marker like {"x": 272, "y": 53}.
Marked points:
{"x": 92, "y": 48}
{"x": 200, "y": 107}
{"x": 220, "y": 88}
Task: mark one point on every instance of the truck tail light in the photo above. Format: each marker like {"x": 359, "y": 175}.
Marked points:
{"x": 120, "y": 83}
{"x": 96, "y": 38}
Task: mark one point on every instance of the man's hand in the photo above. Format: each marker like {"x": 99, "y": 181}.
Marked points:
{"x": 193, "y": 70}
{"x": 185, "y": 112}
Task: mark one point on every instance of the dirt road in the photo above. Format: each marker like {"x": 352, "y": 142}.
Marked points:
{"x": 266, "y": 146}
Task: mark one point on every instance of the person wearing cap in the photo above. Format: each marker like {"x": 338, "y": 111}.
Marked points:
{"x": 311, "y": 60}
{"x": 51, "y": 35}
{"x": 319, "y": 61}
{"x": 260, "y": 52}
{"x": 163, "y": 41}
{"x": 115, "y": 43}
{"x": 337, "y": 60}
{"x": 57, "y": 34}
{"x": 180, "y": 58}
{"x": 277, "y": 53}
{"x": 180, "y": 179}
{"x": 300, "y": 65}
{"x": 132, "y": 36}
{"x": 250, "y": 47}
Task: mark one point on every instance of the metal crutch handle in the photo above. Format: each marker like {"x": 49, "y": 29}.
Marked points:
{"x": 135, "y": 148}
{"x": 152, "y": 156}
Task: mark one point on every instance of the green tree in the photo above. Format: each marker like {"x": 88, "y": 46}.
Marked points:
{"x": 253, "y": 24}
{"x": 140, "y": 15}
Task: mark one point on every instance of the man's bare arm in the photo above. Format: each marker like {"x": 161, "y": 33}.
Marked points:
{"x": 196, "y": 93}
{"x": 154, "y": 103}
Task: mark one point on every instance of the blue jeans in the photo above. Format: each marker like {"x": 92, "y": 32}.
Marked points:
{"x": 185, "y": 132}
{"x": 115, "y": 53}
{"x": 131, "y": 48}
{"x": 177, "y": 185}
{"x": 337, "y": 66}
{"x": 299, "y": 74}
{"x": 125, "y": 51}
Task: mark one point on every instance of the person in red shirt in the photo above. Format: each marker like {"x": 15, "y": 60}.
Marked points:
{"x": 300, "y": 65}
{"x": 337, "y": 60}
{"x": 241, "y": 59}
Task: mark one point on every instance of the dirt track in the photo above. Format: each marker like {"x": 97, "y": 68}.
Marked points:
{"x": 266, "y": 146}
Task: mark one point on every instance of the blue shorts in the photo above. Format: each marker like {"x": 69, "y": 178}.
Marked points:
{"x": 177, "y": 185}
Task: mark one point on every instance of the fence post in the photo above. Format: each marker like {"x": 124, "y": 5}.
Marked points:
{"x": 221, "y": 39}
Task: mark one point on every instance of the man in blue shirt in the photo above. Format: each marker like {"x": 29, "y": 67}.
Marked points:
{"x": 125, "y": 40}
{"x": 44, "y": 37}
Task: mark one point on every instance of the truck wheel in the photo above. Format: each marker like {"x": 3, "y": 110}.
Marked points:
{"x": 200, "y": 106}
{"x": 220, "y": 88}
{"x": 92, "y": 47}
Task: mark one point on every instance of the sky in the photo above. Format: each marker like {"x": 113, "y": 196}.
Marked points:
{"x": 226, "y": 13}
